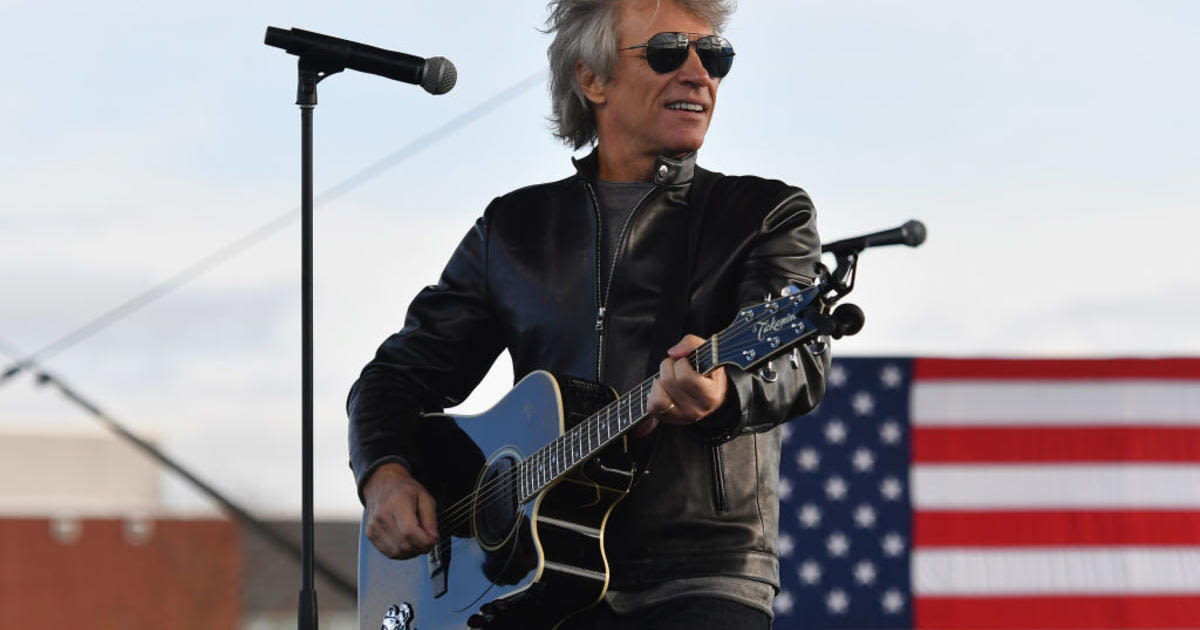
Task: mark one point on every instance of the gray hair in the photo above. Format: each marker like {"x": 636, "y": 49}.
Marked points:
{"x": 586, "y": 30}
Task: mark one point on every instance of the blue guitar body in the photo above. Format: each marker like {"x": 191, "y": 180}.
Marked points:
{"x": 541, "y": 560}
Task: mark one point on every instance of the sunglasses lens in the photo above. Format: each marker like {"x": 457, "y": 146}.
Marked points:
{"x": 716, "y": 53}
{"x": 665, "y": 59}
{"x": 666, "y": 51}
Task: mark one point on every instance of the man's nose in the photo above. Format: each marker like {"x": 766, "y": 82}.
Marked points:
{"x": 693, "y": 71}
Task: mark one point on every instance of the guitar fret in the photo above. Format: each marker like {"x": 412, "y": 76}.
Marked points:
{"x": 541, "y": 468}
{"x": 643, "y": 396}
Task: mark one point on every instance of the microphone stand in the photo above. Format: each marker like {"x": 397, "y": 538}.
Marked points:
{"x": 310, "y": 73}
{"x": 321, "y": 56}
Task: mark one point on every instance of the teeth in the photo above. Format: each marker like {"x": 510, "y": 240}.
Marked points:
{"x": 691, "y": 107}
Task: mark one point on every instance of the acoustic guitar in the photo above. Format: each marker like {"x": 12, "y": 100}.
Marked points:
{"x": 523, "y": 529}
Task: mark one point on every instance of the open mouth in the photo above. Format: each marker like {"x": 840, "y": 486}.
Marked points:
{"x": 686, "y": 106}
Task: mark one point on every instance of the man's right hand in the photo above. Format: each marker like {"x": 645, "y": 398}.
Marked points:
{"x": 401, "y": 515}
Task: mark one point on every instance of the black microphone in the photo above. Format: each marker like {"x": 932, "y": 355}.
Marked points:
{"x": 436, "y": 74}
{"x": 911, "y": 234}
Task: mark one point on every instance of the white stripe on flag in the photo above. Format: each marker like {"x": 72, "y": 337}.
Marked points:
{"x": 1056, "y": 486}
{"x": 1048, "y": 571}
{"x": 1051, "y": 403}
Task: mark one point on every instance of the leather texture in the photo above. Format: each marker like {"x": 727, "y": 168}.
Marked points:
{"x": 526, "y": 278}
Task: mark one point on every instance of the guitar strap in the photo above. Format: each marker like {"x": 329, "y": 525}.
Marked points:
{"x": 671, "y": 319}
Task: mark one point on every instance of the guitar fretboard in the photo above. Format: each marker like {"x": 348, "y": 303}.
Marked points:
{"x": 587, "y": 438}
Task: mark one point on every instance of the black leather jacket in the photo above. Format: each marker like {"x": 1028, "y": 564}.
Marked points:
{"x": 526, "y": 279}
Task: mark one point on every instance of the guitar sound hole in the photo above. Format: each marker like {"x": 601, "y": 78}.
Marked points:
{"x": 496, "y": 502}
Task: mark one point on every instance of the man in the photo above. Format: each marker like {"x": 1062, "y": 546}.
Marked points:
{"x": 595, "y": 276}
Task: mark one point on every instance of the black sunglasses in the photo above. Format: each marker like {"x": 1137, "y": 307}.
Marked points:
{"x": 667, "y": 51}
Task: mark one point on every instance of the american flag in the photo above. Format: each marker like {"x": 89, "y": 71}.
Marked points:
{"x": 994, "y": 494}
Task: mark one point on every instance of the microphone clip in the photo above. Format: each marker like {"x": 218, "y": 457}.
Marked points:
{"x": 311, "y": 72}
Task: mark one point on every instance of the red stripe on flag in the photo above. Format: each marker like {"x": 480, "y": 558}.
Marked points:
{"x": 1056, "y": 528}
{"x": 945, "y": 445}
{"x": 1145, "y": 612}
{"x": 1056, "y": 369}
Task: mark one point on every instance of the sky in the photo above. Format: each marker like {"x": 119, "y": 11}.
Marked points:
{"x": 1051, "y": 148}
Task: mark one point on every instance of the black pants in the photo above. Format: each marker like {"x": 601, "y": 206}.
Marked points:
{"x": 686, "y": 613}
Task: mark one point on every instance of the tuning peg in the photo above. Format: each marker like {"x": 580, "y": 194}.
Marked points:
{"x": 849, "y": 319}
{"x": 768, "y": 373}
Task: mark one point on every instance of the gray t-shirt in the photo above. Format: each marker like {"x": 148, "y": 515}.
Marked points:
{"x": 617, "y": 201}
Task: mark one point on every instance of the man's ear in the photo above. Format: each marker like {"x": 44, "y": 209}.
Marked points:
{"x": 590, "y": 83}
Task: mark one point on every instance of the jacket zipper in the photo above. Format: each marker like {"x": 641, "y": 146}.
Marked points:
{"x": 720, "y": 502}
{"x": 602, "y": 295}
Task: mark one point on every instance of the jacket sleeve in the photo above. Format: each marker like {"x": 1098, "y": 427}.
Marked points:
{"x": 784, "y": 252}
{"x": 448, "y": 343}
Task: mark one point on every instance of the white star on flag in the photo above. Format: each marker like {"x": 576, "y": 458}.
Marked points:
{"x": 889, "y": 432}
{"x": 785, "y": 489}
{"x": 809, "y": 515}
{"x": 890, "y": 488}
{"x": 837, "y": 601}
{"x": 837, "y": 544}
{"x": 863, "y": 403}
{"x": 810, "y": 572}
{"x": 864, "y": 515}
{"x": 864, "y": 572}
{"x": 893, "y": 545}
{"x": 786, "y": 545}
{"x": 836, "y": 488}
{"x": 783, "y": 603}
{"x": 835, "y": 431}
{"x": 808, "y": 459}
{"x": 863, "y": 460}
{"x": 837, "y": 376}
{"x": 890, "y": 376}
{"x": 892, "y": 601}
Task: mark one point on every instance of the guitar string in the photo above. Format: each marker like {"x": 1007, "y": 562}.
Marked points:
{"x": 545, "y": 455}
{"x": 562, "y": 448}
{"x": 502, "y": 484}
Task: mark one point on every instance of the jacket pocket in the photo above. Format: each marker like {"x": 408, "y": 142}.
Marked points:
{"x": 716, "y": 469}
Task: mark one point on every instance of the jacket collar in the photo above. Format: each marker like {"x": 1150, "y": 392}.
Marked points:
{"x": 667, "y": 171}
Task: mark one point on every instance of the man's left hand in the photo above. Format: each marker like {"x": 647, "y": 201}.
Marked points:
{"x": 681, "y": 395}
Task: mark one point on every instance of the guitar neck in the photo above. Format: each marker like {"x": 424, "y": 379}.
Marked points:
{"x": 589, "y": 437}
{"x": 756, "y": 334}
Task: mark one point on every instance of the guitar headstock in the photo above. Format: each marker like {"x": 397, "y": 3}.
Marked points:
{"x": 764, "y": 330}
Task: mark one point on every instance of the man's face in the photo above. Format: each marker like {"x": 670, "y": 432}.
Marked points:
{"x": 640, "y": 114}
